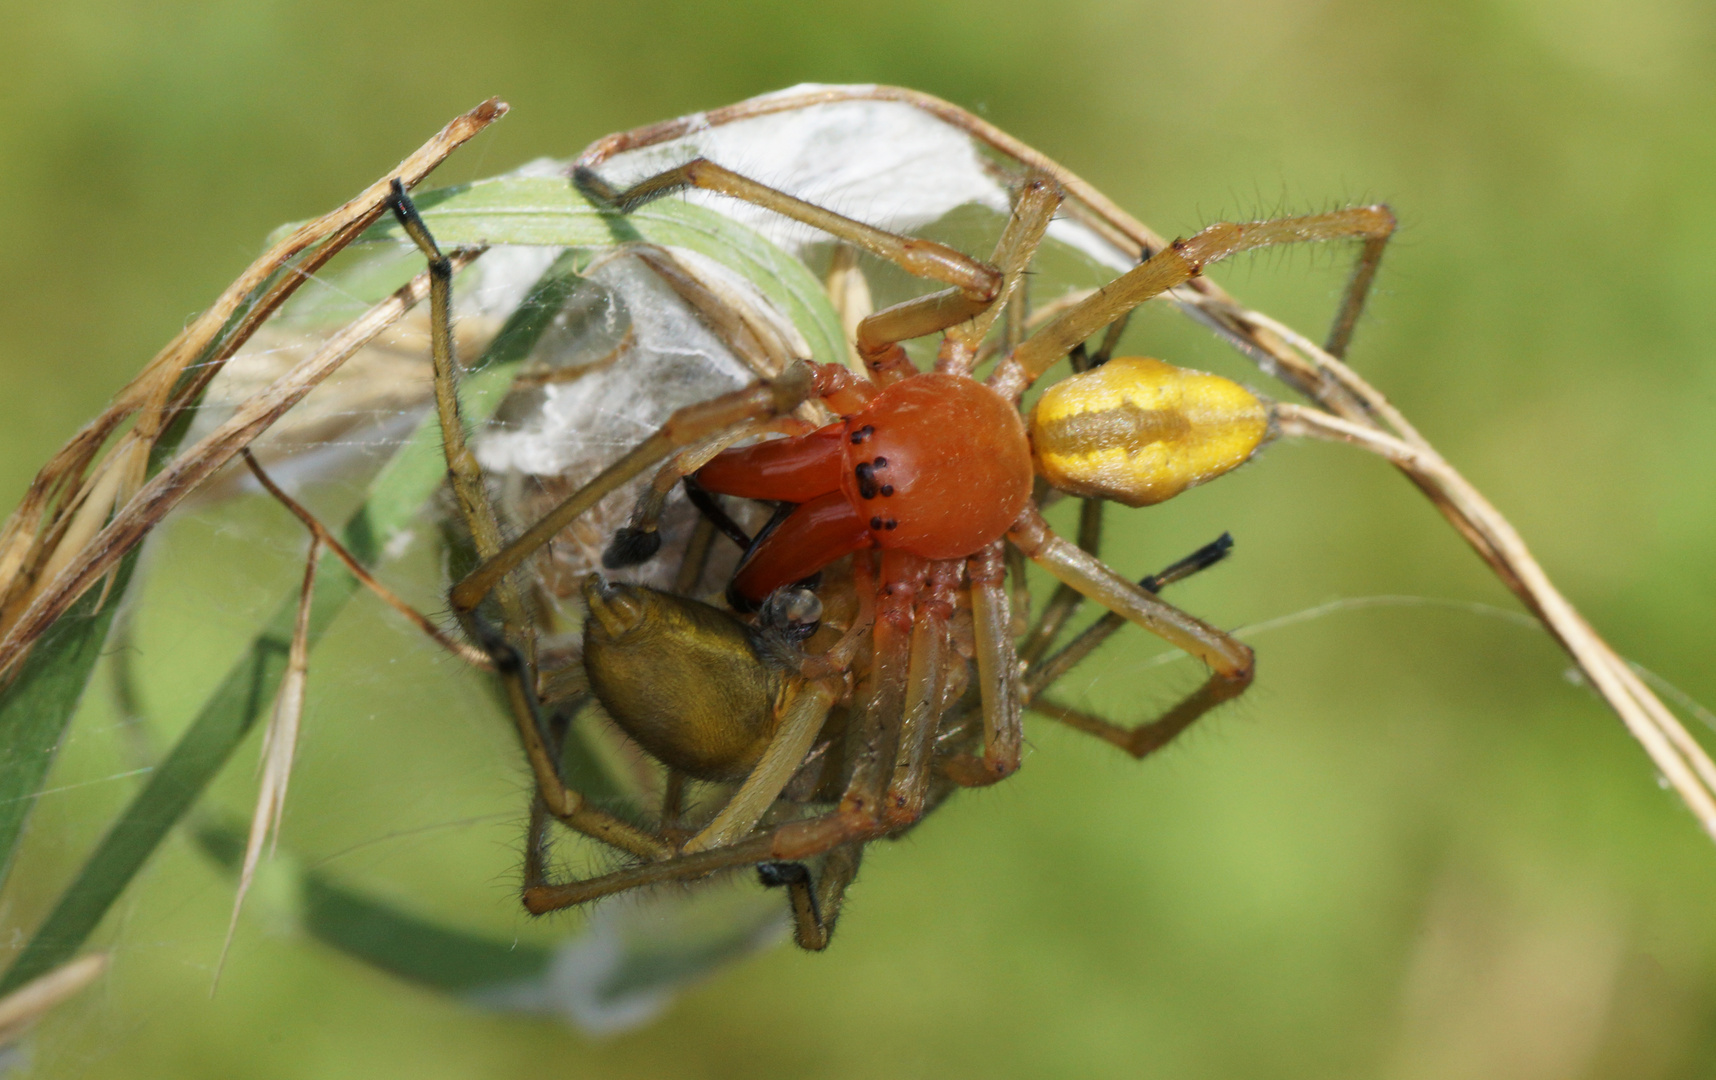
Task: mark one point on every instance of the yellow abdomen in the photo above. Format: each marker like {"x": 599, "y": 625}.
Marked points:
{"x": 1139, "y": 431}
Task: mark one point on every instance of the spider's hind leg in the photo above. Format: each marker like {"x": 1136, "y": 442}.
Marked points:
{"x": 1146, "y": 738}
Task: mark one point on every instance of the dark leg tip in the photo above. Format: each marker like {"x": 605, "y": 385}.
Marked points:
{"x": 399, "y": 202}
{"x": 775, "y": 874}
{"x": 594, "y": 188}
{"x": 631, "y": 547}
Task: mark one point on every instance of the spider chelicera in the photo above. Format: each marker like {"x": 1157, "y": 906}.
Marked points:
{"x": 927, "y": 482}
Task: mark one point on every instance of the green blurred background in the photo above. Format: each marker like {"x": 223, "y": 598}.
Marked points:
{"x": 1416, "y": 849}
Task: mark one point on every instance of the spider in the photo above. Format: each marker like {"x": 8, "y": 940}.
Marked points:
{"x": 926, "y": 480}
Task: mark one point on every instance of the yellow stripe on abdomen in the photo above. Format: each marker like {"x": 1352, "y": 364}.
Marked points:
{"x": 1140, "y": 431}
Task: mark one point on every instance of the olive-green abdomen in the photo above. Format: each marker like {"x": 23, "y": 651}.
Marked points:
{"x": 680, "y": 677}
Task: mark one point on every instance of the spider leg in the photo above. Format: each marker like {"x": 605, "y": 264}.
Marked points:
{"x": 804, "y": 710}
{"x": 1002, "y": 702}
{"x": 1152, "y": 735}
{"x": 696, "y": 555}
{"x": 793, "y": 841}
{"x": 1143, "y": 739}
{"x": 536, "y": 845}
{"x": 463, "y": 472}
{"x": 815, "y": 903}
{"x": 512, "y": 666}
{"x": 566, "y": 804}
{"x": 740, "y": 328}
{"x": 1228, "y": 656}
{"x": 1034, "y": 208}
{"x": 920, "y": 258}
{"x": 927, "y": 673}
{"x": 965, "y": 316}
{"x": 686, "y": 427}
{"x": 325, "y": 535}
{"x": 1358, "y": 288}
{"x": 1110, "y": 339}
{"x": 1040, "y": 676}
{"x": 879, "y": 335}
{"x": 1186, "y": 259}
{"x": 1066, "y": 599}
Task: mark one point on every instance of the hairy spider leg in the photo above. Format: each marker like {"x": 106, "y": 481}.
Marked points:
{"x": 1000, "y": 695}
{"x": 855, "y": 821}
{"x": 1184, "y": 260}
{"x": 467, "y": 480}
{"x": 920, "y": 258}
{"x": 1231, "y": 661}
{"x": 815, "y": 904}
{"x": 1039, "y": 676}
{"x": 1143, "y": 739}
{"x": 1034, "y": 208}
{"x": 1066, "y": 600}
{"x": 929, "y": 672}
{"x": 687, "y": 426}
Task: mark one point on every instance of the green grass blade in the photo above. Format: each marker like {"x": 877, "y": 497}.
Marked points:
{"x": 397, "y": 494}
{"x": 547, "y": 211}
{"x": 620, "y": 969}
{"x": 36, "y": 706}
{"x": 365, "y": 928}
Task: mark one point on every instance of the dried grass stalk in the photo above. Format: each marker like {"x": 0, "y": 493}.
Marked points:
{"x": 85, "y": 510}
{"x": 20, "y": 1009}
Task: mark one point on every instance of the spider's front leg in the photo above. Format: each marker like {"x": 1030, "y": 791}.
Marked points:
{"x": 920, "y": 258}
{"x": 929, "y": 678}
{"x": 759, "y": 402}
{"x": 1001, "y": 694}
{"x": 979, "y": 290}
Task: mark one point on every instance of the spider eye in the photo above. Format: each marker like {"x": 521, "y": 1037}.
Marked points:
{"x": 937, "y": 465}
{"x": 1140, "y": 431}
